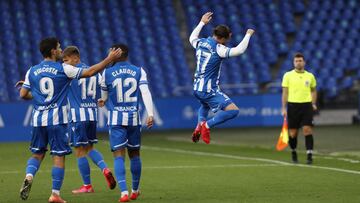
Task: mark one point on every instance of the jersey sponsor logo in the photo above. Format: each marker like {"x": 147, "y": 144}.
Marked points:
{"x": 125, "y": 108}
{"x": 88, "y": 105}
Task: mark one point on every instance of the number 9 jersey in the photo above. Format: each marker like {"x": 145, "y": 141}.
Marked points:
{"x": 122, "y": 84}
{"x": 49, "y": 85}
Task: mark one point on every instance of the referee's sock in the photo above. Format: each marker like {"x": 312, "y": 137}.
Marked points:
{"x": 293, "y": 143}
{"x": 309, "y": 144}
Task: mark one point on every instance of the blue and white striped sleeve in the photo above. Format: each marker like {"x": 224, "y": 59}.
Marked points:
{"x": 72, "y": 71}
{"x": 26, "y": 84}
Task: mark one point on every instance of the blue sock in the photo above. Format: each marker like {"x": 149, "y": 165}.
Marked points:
{"x": 203, "y": 113}
{"x": 97, "y": 158}
{"x": 135, "y": 168}
{"x": 32, "y": 166}
{"x": 57, "y": 177}
{"x": 84, "y": 169}
{"x": 221, "y": 117}
{"x": 119, "y": 167}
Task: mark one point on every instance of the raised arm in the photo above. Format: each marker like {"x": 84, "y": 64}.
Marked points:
{"x": 242, "y": 46}
{"x": 113, "y": 55}
{"x": 194, "y": 37}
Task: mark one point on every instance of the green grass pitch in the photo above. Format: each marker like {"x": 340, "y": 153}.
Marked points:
{"x": 240, "y": 165}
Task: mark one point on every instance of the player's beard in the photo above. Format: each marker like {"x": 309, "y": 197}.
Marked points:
{"x": 299, "y": 68}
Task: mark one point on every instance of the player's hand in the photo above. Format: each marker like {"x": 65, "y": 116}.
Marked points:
{"x": 149, "y": 121}
{"x": 19, "y": 84}
{"x": 101, "y": 102}
{"x": 206, "y": 17}
{"x": 250, "y": 31}
{"x": 114, "y": 54}
{"x": 314, "y": 107}
{"x": 284, "y": 112}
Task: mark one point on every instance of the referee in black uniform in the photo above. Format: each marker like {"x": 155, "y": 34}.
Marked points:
{"x": 299, "y": 104}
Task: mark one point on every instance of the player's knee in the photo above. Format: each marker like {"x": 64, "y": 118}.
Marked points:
{"x": 293, "y": 133}
{"x": 133, "y": 153}
{"x": 80, "y": 151}
{"x": 39, "y": 157}
{"x": 307, "y": 130}
{"x": 230, "y": 107}
{"x": 119, "y": 152}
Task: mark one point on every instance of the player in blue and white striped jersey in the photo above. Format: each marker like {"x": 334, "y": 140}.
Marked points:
{"x": 83, "y": 96}
{"x": 47, "y": 84}
{"x": 210, "y": 53}
{"x": 122, "y": 84}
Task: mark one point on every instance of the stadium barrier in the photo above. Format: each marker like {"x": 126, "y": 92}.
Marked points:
{"x": 170, "y": 113}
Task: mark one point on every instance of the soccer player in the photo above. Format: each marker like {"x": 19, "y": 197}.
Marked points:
{"x": 299, "y": 96}
{"x": 210, "y": 53}
{"x": 47, "y": 85}
{"x": 83, "y": 96}
{"x": 121, "y": 85}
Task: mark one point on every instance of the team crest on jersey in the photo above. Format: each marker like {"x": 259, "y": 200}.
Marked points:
{"x": 307, "y": 83}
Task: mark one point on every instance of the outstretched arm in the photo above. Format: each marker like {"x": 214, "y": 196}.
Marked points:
{"x": 194, "y": 37}
{"x": 242, "y": 46}
{"x": 113, "y": 55}
{"x": 226, "y": 52}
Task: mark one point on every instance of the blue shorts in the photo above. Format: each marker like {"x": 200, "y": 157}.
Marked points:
{"x": 125, "y": 137}
{"x": 215, "y": 100}
{"x": 56, "y": 136}
{"x": 83, "y": 133}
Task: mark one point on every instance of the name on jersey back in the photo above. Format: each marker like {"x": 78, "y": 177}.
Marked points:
{"x": 123, "y": 71}
{"x": 206, "y": 46}
{"x": 46, "y": 70}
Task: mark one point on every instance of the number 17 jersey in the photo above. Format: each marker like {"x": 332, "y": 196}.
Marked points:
{"x": 209, "y": 55}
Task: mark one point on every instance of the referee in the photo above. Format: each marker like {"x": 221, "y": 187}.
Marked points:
{"x": 299, "y": 96}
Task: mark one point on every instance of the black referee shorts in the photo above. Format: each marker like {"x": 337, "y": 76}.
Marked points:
{"x": 300, "y": 114}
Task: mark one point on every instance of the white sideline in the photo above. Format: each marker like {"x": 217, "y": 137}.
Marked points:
{"x": 249, "y": 158}
{"x": 270, "y": 162}
{"x": 163, "y": 167}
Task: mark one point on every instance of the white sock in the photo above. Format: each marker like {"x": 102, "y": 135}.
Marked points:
{"x": 29, "y": 176}
{"x": 133, "y": 191}
{"x": 124, "y": 193}
{"x": 206, "y": 125}
{"x": 57, "y": 192}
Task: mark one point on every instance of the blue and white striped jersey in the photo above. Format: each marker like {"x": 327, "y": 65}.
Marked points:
{"x": 83, "y": 96}
{"x": 122, "y": 82}
{"x": 209, "y": 56}
{"x": 48, "y": 83}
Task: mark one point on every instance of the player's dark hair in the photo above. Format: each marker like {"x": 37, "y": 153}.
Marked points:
{"x": 222, "y": 31}
{"x": 71, "y": 50}
{"x": 124, "y": 50}
{"x": 48, "y": 44}
{"x": 299, "y": 55}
